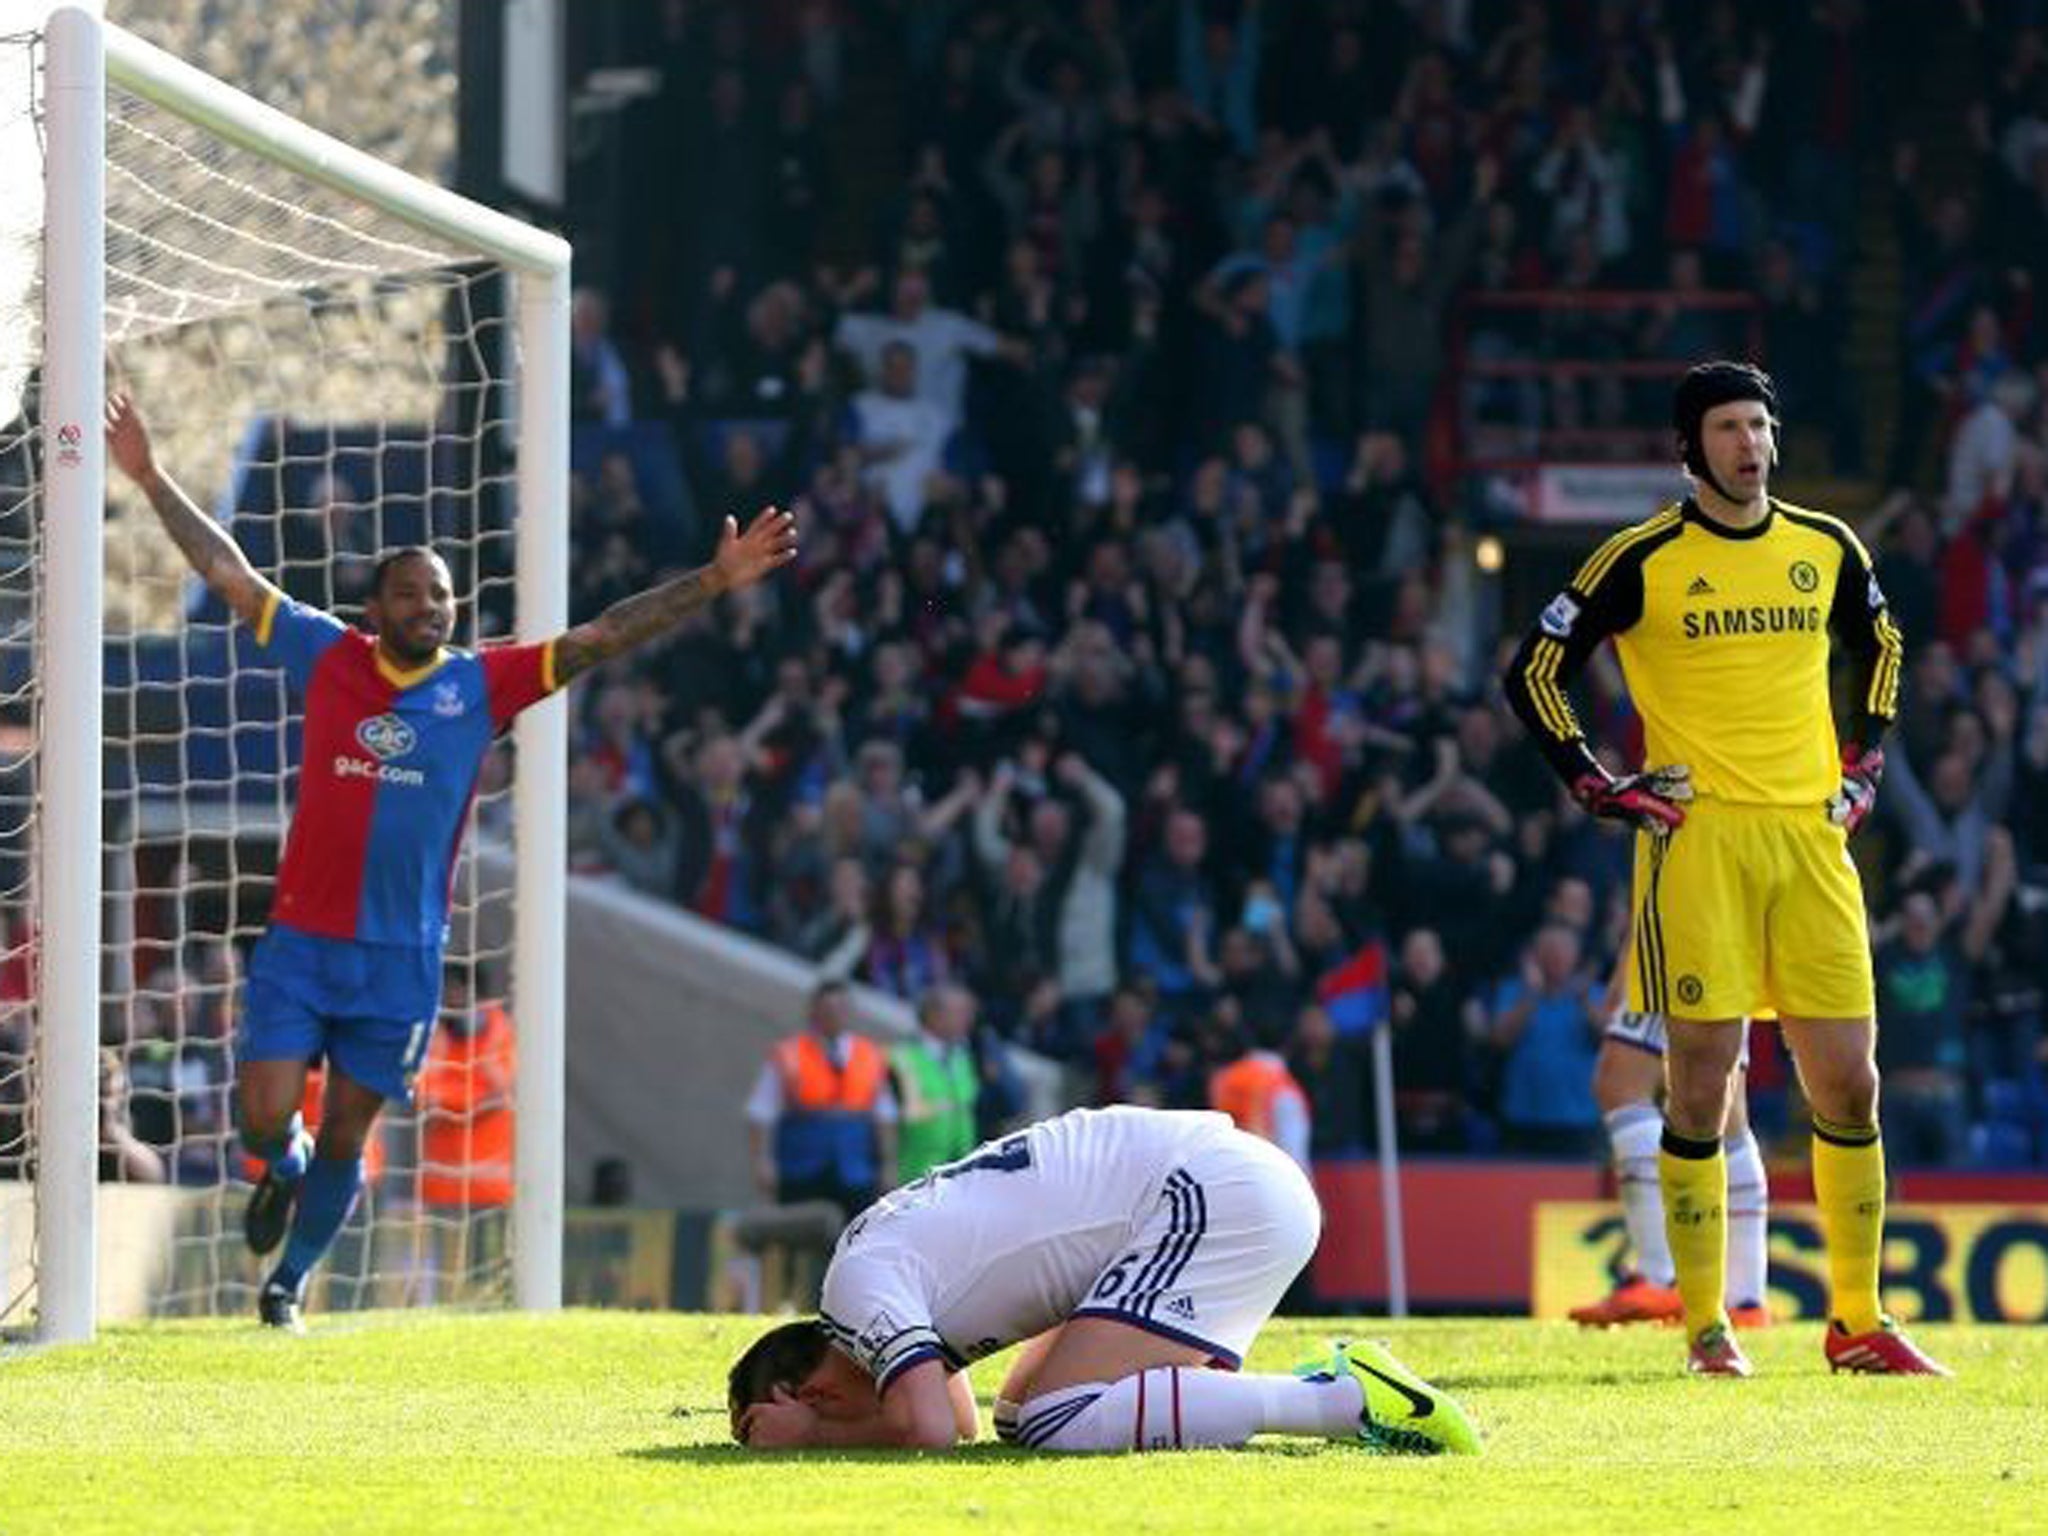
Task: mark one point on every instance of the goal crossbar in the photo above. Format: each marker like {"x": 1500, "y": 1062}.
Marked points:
{"x": 169, "y": 82}
{"x": 83, "y": 56}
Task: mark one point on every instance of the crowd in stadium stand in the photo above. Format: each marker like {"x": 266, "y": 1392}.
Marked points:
{"x": 1136, "y": 672}
{"x": 1137, "y": 675}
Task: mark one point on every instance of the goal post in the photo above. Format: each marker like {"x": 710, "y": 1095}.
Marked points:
{"x": 541, "y": 798}
{"x": 67, "y": 953}
{"x": 85, "y": 61}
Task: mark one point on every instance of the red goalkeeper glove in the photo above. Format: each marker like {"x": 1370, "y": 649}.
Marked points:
{"x": 1651, "y": 801}
{"x": 1862, "y": 771}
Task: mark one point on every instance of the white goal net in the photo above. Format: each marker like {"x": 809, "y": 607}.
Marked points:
{"x": 331, "y": 373}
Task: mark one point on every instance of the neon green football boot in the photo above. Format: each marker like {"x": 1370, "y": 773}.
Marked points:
{"x": 1403, "y": 1413}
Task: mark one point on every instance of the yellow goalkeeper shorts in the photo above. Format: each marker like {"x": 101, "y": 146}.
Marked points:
{"x": 1747, "y": 909}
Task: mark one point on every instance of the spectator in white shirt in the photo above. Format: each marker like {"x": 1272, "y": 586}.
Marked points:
{"x": 941, "y": 341}
{"x": 902, "y": 437}
{"x": 1986, "y": 448}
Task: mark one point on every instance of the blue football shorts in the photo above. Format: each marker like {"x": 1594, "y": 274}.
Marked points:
{"x": 367, "y": 1009}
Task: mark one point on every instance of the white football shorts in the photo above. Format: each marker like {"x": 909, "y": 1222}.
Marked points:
{"x": 1645, "y": 1031}
{"x": 1209, "y": 1262}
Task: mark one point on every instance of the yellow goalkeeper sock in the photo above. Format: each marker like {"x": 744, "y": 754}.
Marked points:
{"x": 1848, "y": 1185}
{"x": 1694, "y": 1175}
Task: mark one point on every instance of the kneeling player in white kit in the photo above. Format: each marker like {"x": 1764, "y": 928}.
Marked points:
{"x": 1132, "y": 1249}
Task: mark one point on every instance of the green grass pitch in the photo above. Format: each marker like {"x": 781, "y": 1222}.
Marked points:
{"x": 615, "y": 1422}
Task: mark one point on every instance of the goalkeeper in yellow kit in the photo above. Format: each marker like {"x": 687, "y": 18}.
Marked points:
{"x": 1721, "y": 608}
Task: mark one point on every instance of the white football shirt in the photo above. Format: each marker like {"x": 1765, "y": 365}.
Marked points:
{"x": 1006, "y": 1242}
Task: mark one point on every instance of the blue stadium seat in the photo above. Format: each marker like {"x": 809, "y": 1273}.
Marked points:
{"x": 2000, "y": 1144}
{"x": 1331, "y": 458}
{"x": 658, "y": 471}
{"x": 2005, "y": 1098}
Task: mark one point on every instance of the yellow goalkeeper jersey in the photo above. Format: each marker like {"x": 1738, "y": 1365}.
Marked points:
{"x": 1723, "y": 636}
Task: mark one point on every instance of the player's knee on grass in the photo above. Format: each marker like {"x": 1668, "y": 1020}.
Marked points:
{"x": 1070, "y": 1419}
{"x": 1086, "y": 1351}
{"x": 1178, "y": 1407}
{"x": 1143, "y": 1412}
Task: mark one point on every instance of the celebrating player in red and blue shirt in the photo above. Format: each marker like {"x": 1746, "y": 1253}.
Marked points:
{"x": 397, "y": 723}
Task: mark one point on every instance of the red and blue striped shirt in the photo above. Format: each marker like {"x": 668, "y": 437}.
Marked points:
{"x": 389, "y": 766}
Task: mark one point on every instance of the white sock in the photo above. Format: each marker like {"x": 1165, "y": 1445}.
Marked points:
{"x": 1749, "y": 1211}
{"x": 1635, "y": 1131}
{"x": 1171, "y": 1407}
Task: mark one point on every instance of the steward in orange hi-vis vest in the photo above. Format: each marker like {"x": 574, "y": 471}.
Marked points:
{"x": 465, "y": 1099}
{"x": 1261, "y": 1095}
{"x": 827, "y": 1127}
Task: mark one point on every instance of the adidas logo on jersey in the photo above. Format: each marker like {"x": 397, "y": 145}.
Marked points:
{"x": 1181, "y": 1307}
{"x": 1701, "y": 587}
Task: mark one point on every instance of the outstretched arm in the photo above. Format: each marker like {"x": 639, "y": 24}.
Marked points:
{"x": 742, "y": 559}
{"x": 206, "y": 546}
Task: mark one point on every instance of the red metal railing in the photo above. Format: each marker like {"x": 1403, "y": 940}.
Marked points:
{"x": 1621, "y": 416}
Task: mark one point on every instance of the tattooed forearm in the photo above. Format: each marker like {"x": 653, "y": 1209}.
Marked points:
{"x": 202, "y": 541}
{"x": 742, "y": 559}
{"x": 634, "y": 620}
{"x": 207, "y": 547}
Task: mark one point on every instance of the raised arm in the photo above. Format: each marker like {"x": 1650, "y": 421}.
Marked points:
{"x": 742, "y": 559}
{"x": 990, "y": 845}
{"x": 206, "y": 546}
{"x": 1102, "y": 846}
{"x": 1994, "y": 894}
{"x": 937, "y": 819}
